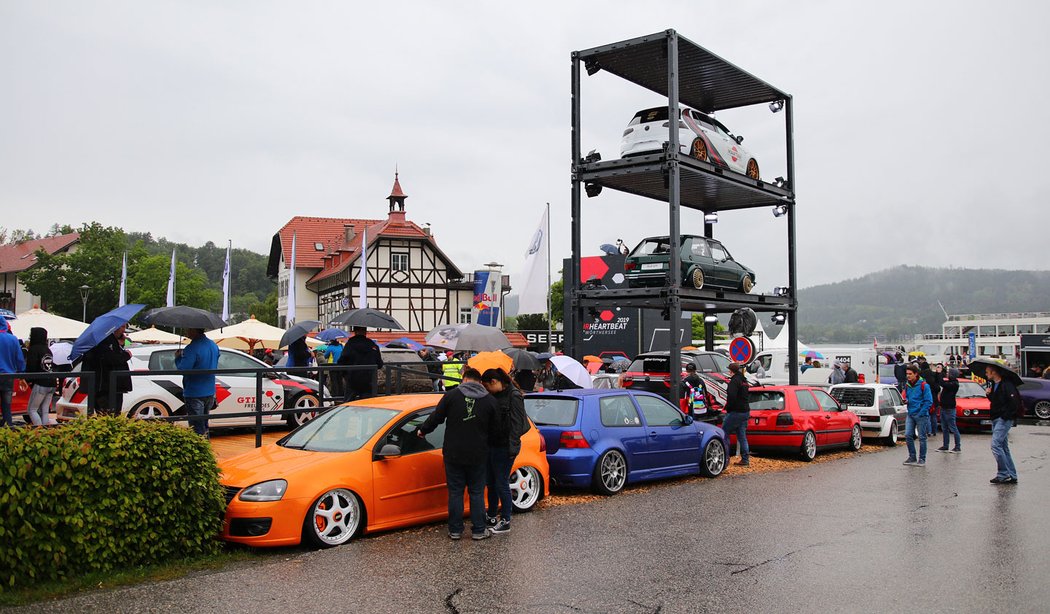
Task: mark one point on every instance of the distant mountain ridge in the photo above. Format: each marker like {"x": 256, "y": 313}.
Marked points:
{"x": 902, "y": 301}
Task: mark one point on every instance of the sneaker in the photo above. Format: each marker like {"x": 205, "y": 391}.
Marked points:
{"x": 491, "y": 521}
{"x": 910, "y": 461}
{"x": 955, "y": 450}
{"x": 942, "y": 449}
{"x": 487, "y": 534}
{"x": 1010, "y": 481}
{"x": 998, "y": 480}
{"x": 743, "y": 463}
{"x": 921, "y": 463}
{"x": 454, "y": 536}
{"x": 503, "y": 526}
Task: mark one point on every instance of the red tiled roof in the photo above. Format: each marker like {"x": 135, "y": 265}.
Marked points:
{"x": 310, "y": 230}
{"x": 396, "y": 191}
{"x": 20, "y": 256}
{"x": 391, "y": 227}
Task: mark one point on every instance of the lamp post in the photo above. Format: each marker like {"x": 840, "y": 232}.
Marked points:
{"x": 496, "y": 290}
{"x": 84, "y": 290}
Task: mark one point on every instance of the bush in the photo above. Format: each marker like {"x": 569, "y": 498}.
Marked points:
{"x": 103, "y": 494}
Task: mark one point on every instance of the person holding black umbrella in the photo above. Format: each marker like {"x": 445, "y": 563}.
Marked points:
{"x": 361, "y": 351}
{"x": 198, "y": 390}
{"x": 1006, "y": 408}
{"x": 105, "y": 358}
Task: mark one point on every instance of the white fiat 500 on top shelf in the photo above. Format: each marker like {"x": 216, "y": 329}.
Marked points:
{"x": 154, "y": 396}
{"x": 700, "y": 135}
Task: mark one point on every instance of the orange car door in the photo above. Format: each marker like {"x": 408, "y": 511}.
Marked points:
{"x": 411, "y": 486}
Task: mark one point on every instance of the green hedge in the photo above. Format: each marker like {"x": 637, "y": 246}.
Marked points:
{"x": 104, "y": 494}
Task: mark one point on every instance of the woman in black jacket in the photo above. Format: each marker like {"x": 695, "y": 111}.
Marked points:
{"x": 508, "y": 425}
{"x": 39, "y": 361}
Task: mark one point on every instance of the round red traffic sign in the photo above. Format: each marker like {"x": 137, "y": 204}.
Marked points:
{"x": 741, "y": 350}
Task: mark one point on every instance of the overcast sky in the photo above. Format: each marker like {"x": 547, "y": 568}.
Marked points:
{"x": 920, "y": 131}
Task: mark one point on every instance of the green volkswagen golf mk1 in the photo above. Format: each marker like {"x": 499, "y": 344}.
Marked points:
{"x": 705, "y": 263}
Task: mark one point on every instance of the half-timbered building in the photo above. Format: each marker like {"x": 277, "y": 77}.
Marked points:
{"x": 407, "y": 275}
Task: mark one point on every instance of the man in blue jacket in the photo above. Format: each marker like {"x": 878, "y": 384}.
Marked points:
{"x": 12, "y": 360}
{"x": 198, "y": 390}
{"x": 920, "y": 399}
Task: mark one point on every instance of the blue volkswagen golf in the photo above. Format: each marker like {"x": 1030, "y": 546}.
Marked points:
{"x": 605, "y": 439}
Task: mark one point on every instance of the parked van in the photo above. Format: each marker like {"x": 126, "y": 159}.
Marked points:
{"x": 774, "y": 363}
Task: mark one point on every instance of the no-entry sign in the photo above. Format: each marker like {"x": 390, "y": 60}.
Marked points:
{"x": 741, "y": 350}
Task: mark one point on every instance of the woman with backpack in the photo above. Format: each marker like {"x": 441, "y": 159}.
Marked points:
{"x": 508, "y": 425}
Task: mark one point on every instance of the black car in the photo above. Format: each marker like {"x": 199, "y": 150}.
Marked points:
{"x": 651, "y": 372}
{"x": 705, "y": 263}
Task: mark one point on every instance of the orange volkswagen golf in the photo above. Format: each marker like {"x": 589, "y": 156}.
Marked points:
{"x": 356, "y": 468}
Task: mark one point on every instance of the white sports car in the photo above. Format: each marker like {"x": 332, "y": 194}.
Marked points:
{"x": 154, "y": 396}
{"x": 700, "y": 135}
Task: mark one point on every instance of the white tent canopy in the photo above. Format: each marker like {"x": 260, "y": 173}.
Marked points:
{"x": 57, "y": 326}
{"x": 155, "y": 335}
{"x": 251, "y": 334}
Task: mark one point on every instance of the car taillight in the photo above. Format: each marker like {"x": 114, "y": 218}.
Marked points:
{"x": 785, "y": 419}
{"x": 543, "y": 444}
{"x": 629, "y": 266}
{"x": 573, "y": 439}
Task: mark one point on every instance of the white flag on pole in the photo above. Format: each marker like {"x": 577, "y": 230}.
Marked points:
{"x": 533, "y": 295}
{"x": 171, "y": 282}
{"x": 122, "y": 299}
{"x": 362, "y": 278}
{"x": 226, "y": 285}
{"x": 290, "y": 317}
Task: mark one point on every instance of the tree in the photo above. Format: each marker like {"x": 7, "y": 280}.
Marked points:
{"x": 699, "y": 332}
{"x": 558, "y": 302}
{"x": 532, "y": 321}
{"x": 266, "y": 311}
{"x": 95, "y": 262}
{"x": 148, "y": 284}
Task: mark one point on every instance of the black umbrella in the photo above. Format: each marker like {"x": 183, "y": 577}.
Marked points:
{"x": 297, "y": 331}
{"x": 978, "y": 366}
{"x": 368, "y": 318}
{"x": 182, "y": 316}
{"x": 524, "y": 360}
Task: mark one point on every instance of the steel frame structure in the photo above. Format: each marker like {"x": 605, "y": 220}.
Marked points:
{"x": 671, "y": 65}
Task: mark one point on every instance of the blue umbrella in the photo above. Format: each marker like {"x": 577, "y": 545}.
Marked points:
{"x": 102, "y": 327}
{"x": 405, "y": 342}
{"x": 331, "y": 334}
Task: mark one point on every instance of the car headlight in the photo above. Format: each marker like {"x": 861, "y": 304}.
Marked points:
{"x": 271, "y": 490}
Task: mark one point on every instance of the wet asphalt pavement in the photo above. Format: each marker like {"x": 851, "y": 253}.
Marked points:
{"x": 863, "y": 534}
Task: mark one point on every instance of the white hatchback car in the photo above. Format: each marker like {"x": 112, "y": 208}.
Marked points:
{"x": 700, "y": 136}
{"x": 154, "y": 396}
{"x": 881, "y": 409}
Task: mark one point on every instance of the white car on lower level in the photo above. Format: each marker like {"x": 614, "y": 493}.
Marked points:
{"x": 699, "y": 135}
{"x": 154, "y": 396}
{"x": 881, "y": 408}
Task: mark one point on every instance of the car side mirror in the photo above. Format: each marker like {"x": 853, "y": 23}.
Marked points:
{"x": 739, "y": 140}
{"x": 389, "y": 451}
{"x": 687, "y": 420}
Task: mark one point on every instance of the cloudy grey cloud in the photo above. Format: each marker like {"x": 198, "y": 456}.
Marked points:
{"x": 919, "y": 126}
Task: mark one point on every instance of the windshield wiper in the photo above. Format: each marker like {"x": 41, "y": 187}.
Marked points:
{"x": 293, "y": 447}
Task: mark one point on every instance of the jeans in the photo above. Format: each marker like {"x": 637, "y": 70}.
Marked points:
{"x": 199, "y": 406}
{"x": 735, "y": 423}
{"x": 471, "y": 477}
{"x": 499, "y": 483}
{"x": 933, "y": 420}
{"x": 948, "y": 426}
{"x": 922, "y": 423}
{"x": 39, "y": 405}
{"x": 5, "y": 405}
{"x": 1001, "y": 448}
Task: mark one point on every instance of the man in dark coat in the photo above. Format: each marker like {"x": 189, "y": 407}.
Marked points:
{"x": 934, "y": 381}
{"x": 467, "y": 411}
{"x": 361, "y": 351}
{"x": 1006, "y": 408}
{"x": 103, "y": 359}
{"x": 849, "y": 373}
{"x": 900, "y": 372}
{"x": 737, "y": 412}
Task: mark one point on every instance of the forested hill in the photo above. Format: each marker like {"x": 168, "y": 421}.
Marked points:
{"x": 903, "y": 301}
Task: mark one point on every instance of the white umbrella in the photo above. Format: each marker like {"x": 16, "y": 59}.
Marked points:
{"x": 573, "y": 370}
{"x": 57, "y": 326}
{"x": 154, "y": 335}
{"x": 251, "y": 334}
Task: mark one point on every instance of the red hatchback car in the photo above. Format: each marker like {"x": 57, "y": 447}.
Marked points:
{"x": 800, "y": 419}
{"x": 972, "y": 408}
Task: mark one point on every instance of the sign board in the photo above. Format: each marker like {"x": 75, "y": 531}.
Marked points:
{"x": 538, "y": 339}
{"x": 973, "y": 345}
{"x": 488, "y": 290}
{"x": 741, "y": 350}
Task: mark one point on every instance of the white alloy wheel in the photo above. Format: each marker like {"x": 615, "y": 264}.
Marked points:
{"x": 333, "y": 519}
{"x": 526, "y": 486}
{"x": 150, "y": 408}
{"x": 304, "y": 400}
{"x": 809, "y": 446}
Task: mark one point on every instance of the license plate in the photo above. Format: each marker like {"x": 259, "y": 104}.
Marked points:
{"x": 652, "y": 266}
{"x": 986, "y": 422}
